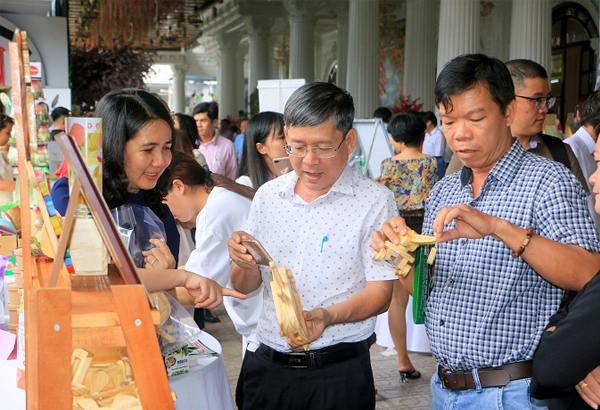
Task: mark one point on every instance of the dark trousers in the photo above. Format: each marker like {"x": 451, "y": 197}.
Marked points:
{"x": 239, "y": 387}
{"x": 347, "y": 385}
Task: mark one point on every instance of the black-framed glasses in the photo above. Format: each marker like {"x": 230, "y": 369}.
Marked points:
{"x": 541, "y": 102}
{"x": 320, "y": 152}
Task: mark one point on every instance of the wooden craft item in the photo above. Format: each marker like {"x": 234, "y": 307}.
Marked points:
{"x": 400, "y": 256}
{"x": 288, "y": 307}
{"x": 87, "y": 312}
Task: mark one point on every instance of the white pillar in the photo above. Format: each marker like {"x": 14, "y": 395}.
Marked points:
{"x": 531, "y": 31}
{"x": 302, "y": 39}
{"x": 363, "y": 56}
{"x": 258, "y": 28}
{"x": 342, "y": 43}
{"x": 179, "y": 71}
{"x": 420, "y": 51}
{"x": 459, "y": 30}
{"x": 227, "y": 81}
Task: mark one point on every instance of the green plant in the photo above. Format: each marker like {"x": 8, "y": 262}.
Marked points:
{"x": 97, "y": 71}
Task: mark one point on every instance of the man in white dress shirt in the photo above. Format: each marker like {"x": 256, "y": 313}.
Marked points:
{"x": 316, "y": 222}
{"x": 583, "y": 143}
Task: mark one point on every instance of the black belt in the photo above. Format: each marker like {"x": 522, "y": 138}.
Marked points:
{"x": 488, "y": 376}
{"x": 317, "y": 358}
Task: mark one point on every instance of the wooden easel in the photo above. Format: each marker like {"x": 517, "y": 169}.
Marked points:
{"x": 65, "y": 312}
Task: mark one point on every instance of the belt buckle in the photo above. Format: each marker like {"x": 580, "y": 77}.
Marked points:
{"x": 298, "y": 360}
{"x": 446, "y": 371}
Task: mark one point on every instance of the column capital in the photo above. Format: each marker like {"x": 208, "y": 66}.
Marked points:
{"x": 229, "y": 41}
{"x": 179, "y": 69}
{"x": 258, "y": 25}
{"x": 299, "y": 10}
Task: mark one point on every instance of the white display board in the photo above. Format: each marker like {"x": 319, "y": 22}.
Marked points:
{"x": 273, "y": 94}
{"x": 374, "y": 144}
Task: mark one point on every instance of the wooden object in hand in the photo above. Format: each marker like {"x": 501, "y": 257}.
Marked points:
{"x": 288, "y": 307}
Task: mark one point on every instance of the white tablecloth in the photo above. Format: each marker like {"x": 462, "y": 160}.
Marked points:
{"x": 12, "y": 397}
{"x": 416, "y": 337}
{"x": 207, "y": 388}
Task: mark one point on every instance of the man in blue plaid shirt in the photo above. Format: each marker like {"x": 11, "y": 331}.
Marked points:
{"x": 513, "y": 231}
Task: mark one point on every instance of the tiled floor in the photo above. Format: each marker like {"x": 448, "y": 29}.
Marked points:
{"x": 391, "y": 394}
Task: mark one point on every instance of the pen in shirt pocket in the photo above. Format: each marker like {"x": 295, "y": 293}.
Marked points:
{"x": 323, "y": 242}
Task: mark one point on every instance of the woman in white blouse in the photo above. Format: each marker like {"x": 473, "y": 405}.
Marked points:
{"x": 263, "y": 142}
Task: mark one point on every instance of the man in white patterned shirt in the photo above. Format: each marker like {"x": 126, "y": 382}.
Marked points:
{"x": 317, "y": 222}
{"x": 510, "y": 226}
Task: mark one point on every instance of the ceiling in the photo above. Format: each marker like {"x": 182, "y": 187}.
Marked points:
{"x": 150, "y": 24}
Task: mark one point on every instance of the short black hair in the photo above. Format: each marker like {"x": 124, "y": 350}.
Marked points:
{"x": 315, "y": 103}
{"x": 60, "y": 112}
{"x": 210, "y": 108}
{"x": 384, "y": 113}
{"x": 468, "y": 71}
{"x": 429, "y": 116}
{"x": 591, "y": 109}
{"x": 407, "y": 127}
{"x": 522, "y": 69}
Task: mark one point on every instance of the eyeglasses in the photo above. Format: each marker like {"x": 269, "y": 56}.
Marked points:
{"x": 320, "y": 152}
{"x": 541, "y": 102}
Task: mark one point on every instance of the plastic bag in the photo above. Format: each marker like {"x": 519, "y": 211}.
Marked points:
{"x": 421, "y": 283}
{"x": 177, "y": 334}
{"x": 137, "y": 225}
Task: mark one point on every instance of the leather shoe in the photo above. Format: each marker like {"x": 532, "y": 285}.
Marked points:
{"x": 210, "y": 317}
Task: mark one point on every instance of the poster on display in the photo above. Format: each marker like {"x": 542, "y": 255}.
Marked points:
{"x": 374, "y": 145}
{"x": 273, "y": 94}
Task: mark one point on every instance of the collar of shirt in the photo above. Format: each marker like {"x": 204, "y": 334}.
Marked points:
{"x": 344, "y": 185}
{"x": 504, "y": 170}
{"x": 214, "y": 141}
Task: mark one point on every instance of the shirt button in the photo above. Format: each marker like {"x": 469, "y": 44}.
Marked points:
{"x": 451, "y": 281}
{"x": 442, "y": 322}
{"x": 463, "y": 242}
{"x": 302, "y": 239}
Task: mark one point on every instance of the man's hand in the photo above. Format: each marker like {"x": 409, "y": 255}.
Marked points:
{"x": 317, "y": 320}
{"x": 238, "y": 252}
{"x": 470, "y": 223}
{"x": 207, "y": 293}
{"x": 160, "y": 256}
{"x": 589, "y": 388}
{"x": 387, "y": 233}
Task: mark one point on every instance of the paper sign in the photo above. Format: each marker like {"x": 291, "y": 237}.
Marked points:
{"x": 8, "y": 345}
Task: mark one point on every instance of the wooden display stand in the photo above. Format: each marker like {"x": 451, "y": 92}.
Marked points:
{"x": 63, "y": 311}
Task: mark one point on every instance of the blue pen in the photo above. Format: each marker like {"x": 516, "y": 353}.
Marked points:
{"x": 323, "y": 242}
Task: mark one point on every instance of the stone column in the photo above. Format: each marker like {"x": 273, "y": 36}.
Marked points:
{"x": 530, "y": 31}
{"x": 342, "y": 43}
{"x": 459, "y": 30}
{"x": 363, "y": 56}
{"x": 302, "y": 39}
{"x": 420, "y": 51}
{"x": 227, "y": 81}
{"x": 258, "y": 29}
{"x": 179, "y": 71}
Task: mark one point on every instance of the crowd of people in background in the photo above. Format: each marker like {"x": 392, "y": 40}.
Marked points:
{"x": 514, "y": 211}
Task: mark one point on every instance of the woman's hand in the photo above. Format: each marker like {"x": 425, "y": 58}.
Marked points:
{"x": 207, "y": 293}
{"x": 159, "y": 257}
